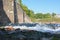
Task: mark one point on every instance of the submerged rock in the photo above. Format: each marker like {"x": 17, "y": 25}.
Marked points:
{"x": 18, "y": 34}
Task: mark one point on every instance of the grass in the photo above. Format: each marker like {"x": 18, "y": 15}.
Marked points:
{"x": 57, "y": 20}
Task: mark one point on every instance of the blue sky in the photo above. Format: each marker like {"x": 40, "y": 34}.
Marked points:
{"x": 43, "y": 6}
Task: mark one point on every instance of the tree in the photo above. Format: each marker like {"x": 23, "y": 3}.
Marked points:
{"x": 25, "y": 8}
{"x": 31, "y": 13}
{"x": 47, "y": 15}
{"x": 53, "y": 14}
{"x": 20, "y": 2}
{"x": 39, "y": 15}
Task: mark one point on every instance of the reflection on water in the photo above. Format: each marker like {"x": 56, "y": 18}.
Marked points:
{"x": 35, "y": 31}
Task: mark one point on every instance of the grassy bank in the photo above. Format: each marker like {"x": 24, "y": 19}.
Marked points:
{"x": 47, "y": 20}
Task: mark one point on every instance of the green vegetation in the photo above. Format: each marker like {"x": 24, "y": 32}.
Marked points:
{"x": 42, "y": 16}
{"x": 39, "y": 17}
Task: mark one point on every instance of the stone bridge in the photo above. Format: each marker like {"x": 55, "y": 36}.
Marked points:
{"x": 11, "y": 12}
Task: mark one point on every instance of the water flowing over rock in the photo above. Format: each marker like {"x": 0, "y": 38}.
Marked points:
{"x": 31, "y": 32}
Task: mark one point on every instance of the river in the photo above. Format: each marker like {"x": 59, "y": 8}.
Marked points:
{"x": 34, "y": 31}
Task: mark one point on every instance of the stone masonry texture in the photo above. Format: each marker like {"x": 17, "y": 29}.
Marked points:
{"x": 11, "y": 12}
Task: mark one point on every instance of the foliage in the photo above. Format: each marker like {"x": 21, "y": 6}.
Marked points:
{"x": 32, "y": 15}
{"x": 53, "y": 14}
{"x": 41, "y": 15}
{"x": 29, "y": 12}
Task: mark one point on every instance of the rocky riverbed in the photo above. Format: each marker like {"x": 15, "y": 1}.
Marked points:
{"x": 18, "y": 34}
{"x": 30, "y": 32}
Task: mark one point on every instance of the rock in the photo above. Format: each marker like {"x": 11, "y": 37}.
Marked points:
{"x": 9, "y": 28}
{"x": 19, "y": 34}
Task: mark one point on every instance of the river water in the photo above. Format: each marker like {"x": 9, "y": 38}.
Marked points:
{"x": 52, "y": 28}
{"x": 47, "y": 31}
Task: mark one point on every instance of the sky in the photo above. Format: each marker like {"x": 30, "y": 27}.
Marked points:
{"x": 43, "y": 6}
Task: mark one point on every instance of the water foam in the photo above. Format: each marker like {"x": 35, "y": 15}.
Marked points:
{"x": 40, "y": 27}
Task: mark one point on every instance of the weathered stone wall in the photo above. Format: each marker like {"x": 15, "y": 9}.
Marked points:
{"x": 10, "y": 11}
{"x": 3, "y": 16}
{"x": 8, "y": 7}
{"x": 20, "y": 13}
